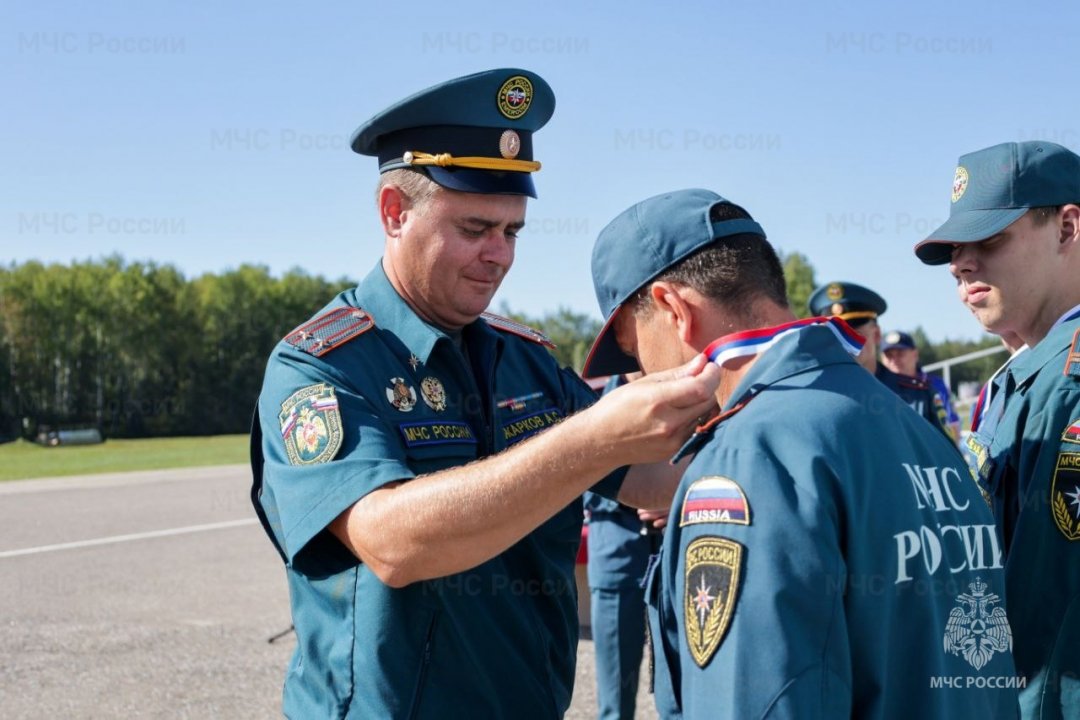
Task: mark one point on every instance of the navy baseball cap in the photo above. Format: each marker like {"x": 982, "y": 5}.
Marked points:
{"x": 472, "y": 133}
{"x": 639, "y": 245}
{"x": 994, "y": 187}
{"x": 897, "y": 340}
{"x": 847, "y": 301}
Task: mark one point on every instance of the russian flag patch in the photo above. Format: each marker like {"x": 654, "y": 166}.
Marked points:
{"x": 714, "y": 499}
{"x": 1072, "y": 433}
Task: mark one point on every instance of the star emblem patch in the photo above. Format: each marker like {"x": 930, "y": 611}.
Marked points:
{"x": 711, "y": 587}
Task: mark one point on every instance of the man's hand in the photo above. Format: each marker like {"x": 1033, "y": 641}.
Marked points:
{"x": 649, "y": 419}
{"x": 657, "y": 519}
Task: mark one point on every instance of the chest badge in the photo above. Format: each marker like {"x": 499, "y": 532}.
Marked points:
{"x": 976, "y": 629}
{"x": 434, "y": 394}
{"x": 413, "y": 361}
{"x": 401, "y": 395}
{"x": 710, "y": 589}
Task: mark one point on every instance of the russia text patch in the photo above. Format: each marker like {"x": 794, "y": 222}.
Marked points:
{"x": 714, "y": 499}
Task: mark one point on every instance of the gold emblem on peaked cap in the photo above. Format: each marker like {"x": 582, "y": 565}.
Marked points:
{"x": 509, "y": 145}
{"x": 515, "y": 96}
{"x": 959, "y": 183}
{"x": 834, "y": 292}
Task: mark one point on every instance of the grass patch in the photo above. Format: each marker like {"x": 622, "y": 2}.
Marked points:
{"x": 21, "y": 460}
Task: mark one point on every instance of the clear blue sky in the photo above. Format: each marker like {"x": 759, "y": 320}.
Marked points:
{"x": 208, "y": 135}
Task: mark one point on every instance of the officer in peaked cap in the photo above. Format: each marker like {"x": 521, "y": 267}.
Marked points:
{"x": 860, "y": 307}
{"x": 429, "y": 551}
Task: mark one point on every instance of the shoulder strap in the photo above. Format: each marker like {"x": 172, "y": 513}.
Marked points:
{"x": 515, "y": 328}
{"x": 332, "y": 329}
{"x": 1072, "y": 361}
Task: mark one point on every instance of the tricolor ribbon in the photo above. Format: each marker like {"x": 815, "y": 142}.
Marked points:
{"x": 754, "y": 342}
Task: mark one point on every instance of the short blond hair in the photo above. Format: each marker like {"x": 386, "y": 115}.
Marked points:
{"x": 414, "y": 185}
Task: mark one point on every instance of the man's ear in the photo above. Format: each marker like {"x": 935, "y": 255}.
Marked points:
{"x": 392, "y": 207}
{"x": 1070, "y": 226}
{"x": 674, "y": 308}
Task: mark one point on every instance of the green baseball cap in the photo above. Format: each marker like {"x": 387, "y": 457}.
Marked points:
{"x": 639, "y": 245}
{"x": 994, "y": 187}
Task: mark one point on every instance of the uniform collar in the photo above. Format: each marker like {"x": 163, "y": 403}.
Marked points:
{"x": 376, "y": 295}
{"x": 810, "y": 347}
{"x": 1023, "y": 367}
{"x": 807, "y": 347}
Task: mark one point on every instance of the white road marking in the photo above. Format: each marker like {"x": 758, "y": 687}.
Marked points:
{"x": 128, "y": 538}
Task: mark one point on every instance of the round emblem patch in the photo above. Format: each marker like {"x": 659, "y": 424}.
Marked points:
{"x": 837, "y": 309}
{"x": 401, "y": 395}
{"x": 431, "y": 389}
{"x": 834, "y": 292}
{"x": 515, "y": 96}
{"x": 509, "y": 145}
{"x": 959, "y": 183}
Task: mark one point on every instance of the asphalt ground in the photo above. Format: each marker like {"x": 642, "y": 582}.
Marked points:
{"x": 151, "y": 595}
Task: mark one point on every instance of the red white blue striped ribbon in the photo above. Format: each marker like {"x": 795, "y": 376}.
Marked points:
{"x": 753, "y": 342}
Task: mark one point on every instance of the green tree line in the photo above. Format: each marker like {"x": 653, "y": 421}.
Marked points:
{"x": 138, "y": 350}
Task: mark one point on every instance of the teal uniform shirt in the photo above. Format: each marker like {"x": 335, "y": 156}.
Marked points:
{"x": 397, "y": 400}
{"x": 1028, "y": 454}
{"x": 828, "y": 555}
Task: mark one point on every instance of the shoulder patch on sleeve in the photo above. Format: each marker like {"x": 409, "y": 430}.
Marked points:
{"x": 311, "y": 425}
{"x": 714, "y": 499}
{"x": 1072, "y": 433}
{"x": 332, "y": 329}
{"x": 1065, "y": 493}
{"x": 1072, "y": 361}
{"x": 711, "y": 587}
{"x": 515, "y": 328}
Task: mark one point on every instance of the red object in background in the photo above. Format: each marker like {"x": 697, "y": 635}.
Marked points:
{"x": 583, "y": 548}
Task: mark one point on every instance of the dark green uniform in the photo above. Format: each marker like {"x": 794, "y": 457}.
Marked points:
{"x": 367, "y": 394}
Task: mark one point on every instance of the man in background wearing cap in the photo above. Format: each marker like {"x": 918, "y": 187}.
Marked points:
{"x": 417, "y": 463}
{"x": 1012, "y": 241}
{"x": 900, "y": 355}
{"x": 860, "y": 308}
{"x": 817, "y": 511}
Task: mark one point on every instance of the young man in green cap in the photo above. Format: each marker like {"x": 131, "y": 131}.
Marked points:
{"x": 827, "y": 553}
{"x": 418, "y": 463}
{"x": 1012, "y": 241}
